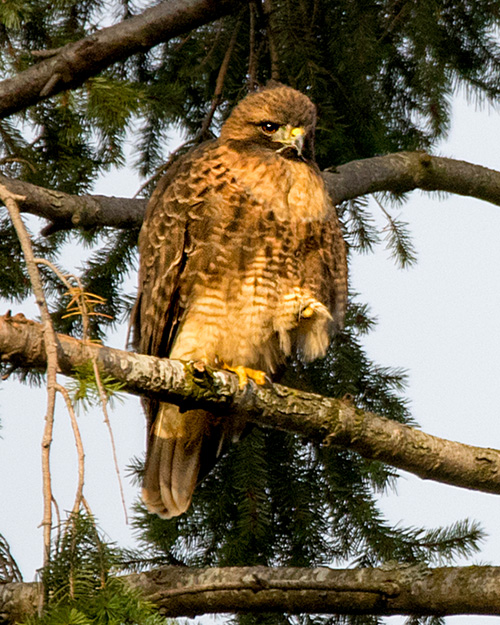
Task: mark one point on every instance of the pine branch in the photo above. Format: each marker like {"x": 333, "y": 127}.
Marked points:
{"x": 72, "y": 65}
{"x": 183, "y": 591}
{"x": 9, "y": 571}
{"x": 326, "y": 420}
{"x": 398, "y": 173}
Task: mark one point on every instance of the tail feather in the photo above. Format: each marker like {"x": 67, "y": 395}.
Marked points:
{"x": 182, "y": 449}
{"x": 173, "y": 460}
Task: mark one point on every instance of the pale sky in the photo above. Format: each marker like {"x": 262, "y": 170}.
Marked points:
{"x": 438, "y": 320}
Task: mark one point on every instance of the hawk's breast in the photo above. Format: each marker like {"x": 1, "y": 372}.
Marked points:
{"x": 252, "y": 284}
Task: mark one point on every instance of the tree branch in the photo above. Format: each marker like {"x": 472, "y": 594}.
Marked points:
{"x": 73, "y": 64}
{"x": 405, "y": 171}
{"x": 69, "y": 211}
{"x": 182, "y": 591}
{"x": 400, "y": 173}
{"x": 325, "y": 420}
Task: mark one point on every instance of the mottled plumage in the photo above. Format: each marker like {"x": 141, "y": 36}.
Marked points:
{"x": 242, "y": 262}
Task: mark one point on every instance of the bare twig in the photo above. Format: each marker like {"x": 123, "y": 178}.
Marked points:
{"x": 57, "y": 511}
{"x": 80, "y": 301}
{"x": 87, "y": 507}
{"x": 104, "y": 405}
{"x": 45, "y": 54}
{"x": 221, "y": 77}
{"x": 10, "y": 200}
{"x": 79, "y": 448}
{"x": 252, "y": 55}
{"x": 17, "y": 159}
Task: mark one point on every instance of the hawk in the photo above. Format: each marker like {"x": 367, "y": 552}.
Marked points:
{"x": 242, "y": 264}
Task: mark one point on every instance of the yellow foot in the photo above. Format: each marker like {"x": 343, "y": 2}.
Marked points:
{"x": 243, "y": 373}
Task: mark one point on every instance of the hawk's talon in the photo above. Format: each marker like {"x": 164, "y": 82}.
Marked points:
{"x": 244, "y": 373}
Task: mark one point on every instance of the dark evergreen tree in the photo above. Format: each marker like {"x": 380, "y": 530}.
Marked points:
{"x": 382, "y": 75}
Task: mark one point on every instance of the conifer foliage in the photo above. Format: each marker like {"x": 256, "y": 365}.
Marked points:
{"x": 382, "y": 74}
{"x": 79, "y": 584}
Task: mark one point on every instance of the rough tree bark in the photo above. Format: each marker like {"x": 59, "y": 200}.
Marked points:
{"x": 326, "y": 420}
{"x": 400, "y": 590}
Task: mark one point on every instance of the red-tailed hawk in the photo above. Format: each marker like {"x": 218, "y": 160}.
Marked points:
{"x": 242, "y": 262}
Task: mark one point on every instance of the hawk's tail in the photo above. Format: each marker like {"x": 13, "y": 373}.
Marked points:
{"x": 173, "y": 460}
{"x": 182, "y": 448}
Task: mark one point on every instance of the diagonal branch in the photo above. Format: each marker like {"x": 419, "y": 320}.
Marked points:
{"x": 325, "y": 420}
{"x": 73, "y": 64}
{"x": 184, "y": 591}
{"x": 400, "y": 173}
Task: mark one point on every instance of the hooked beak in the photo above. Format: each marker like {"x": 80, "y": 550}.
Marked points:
{"x": 290, "y": 137}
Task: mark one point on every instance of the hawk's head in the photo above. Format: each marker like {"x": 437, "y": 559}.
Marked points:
{"x": 276, "y": 118}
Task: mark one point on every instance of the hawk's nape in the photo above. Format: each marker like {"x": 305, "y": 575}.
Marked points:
{"x": 242, "y": 261}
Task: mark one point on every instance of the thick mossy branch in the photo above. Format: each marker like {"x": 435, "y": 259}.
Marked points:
{"x": 183, "y": 591}
{"x": 399, "y": 173}
{"x": 326, "y": 420}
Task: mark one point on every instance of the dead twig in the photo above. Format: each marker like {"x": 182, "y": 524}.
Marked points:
{"x": 83, "y": 303}
{"x": 252, "y": 52}
{"x": 11, "y": 203}
{"x": 219, "y": 85}
{"x": 79, "y": 448}
{"x": 104, "y": 405}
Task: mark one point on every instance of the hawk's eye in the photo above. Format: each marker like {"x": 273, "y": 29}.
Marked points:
{"x": 269, "y": 127}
